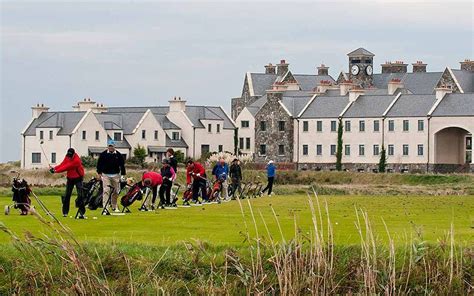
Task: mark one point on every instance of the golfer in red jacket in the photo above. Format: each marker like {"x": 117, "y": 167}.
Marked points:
{"x": 196, "y": 172}
{"x": 151, "y": 180}
{"x": 75, "y": 173}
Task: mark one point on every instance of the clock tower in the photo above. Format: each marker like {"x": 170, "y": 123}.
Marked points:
{"x": 361, "y": 63}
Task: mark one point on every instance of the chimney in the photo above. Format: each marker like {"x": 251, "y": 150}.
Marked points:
{"x": 323, "y": 70}
{"x": 467, "y": 65}
{"x": 354, "y": 93}
{"x": 38, "y": 109}
{"x": 395, "y": 67}
{"x": 269, "y": 69}
{"x": 442, "y": 91}
{"x": 393, "y": 85}
{"x": 345, "y": 86}
{"x": 274, "y": 95}
{"x": 323, "y": 86}
{"x": 84, "y": 105}
{"x": 99, "y": 108}
{"x": 177, "y": 104}
{"x": 282, "y": 68}
{"x": 419, "y": 67}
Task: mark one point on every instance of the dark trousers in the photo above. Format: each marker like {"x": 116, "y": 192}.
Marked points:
{"x": 236, "y": 186}
{"x": 66, "y": 198}
{"x": 199, "y": 184}
{"x": 269, "y": 186}
{"x": 165, "y": 188}
{"x": 154, "y": 191}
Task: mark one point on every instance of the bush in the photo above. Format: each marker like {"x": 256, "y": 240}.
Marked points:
{"x": 89, "y": 161}
{"x": 139, "y": 155}
{"x": 179, "y": 156}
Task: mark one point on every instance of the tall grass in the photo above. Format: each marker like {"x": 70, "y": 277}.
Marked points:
{"x": 308, "y": 263}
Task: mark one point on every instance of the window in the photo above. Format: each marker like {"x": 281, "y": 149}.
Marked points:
{"x": 333, "y": 150}
{"x": 35, "y": 157}
{"x": 41, "y": 135}
{"x": 263, "y": 149}
{"x": 347, "y": 150}
{"x": 155, "y": 136}
{"x": 406, "y": 125}
{"x": 361, "y": 150}
{"x": 117, "y": 136}
{"x": 209, "y": 128}
{"x": 220, "y": 148}
{"x": 281, "y": 150}
{"x": 84, "y": 135}
{"x": 376, "y": 150}
{"x": 420, "y": 150}
{"x": 319, "y": 126}
{"x": 421, "y": 125}
{"x": 319, "y": 149}
{"x": 244, "y": 124}
{"x": 305, "y": 149}
{"x": 175, "y": 136}
{"x": 305, "y": 126}
{"x": 53, "y": 157}
{"x": 263, "y": 126}
{"x": 247, "y": 143}
{"x": 348, "y": 125}
{"x": 241, "y": 143}
{"x": 281, "y": 126}
{"x": 405, "y": 149}
{"x": 376, "y": 125}
{"x": 50, "y": 135}
{"x": 97, "y": 135}
{"x": 218, "y": 128}
{"x": 391, "y": 150}
{"x": 205, "y": 149}
{"x": 143, "y": 134}
{"x": 391, "y": 125}
{"x": 333, "y": 125}
{"x": 361, "y": 125}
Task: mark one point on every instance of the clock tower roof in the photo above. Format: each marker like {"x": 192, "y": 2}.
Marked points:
{"x": 360, "y": 52}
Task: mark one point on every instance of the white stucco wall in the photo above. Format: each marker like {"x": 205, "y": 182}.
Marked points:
{"x": 187, "y": 129}
{"x": 90, "y": 124}
{"x": 225, "y": 137}
{"x": 312, "y": 138}
{"x": 58, "y": 145}
{"x": 368, "y": 138}
{"x": 246, "y": 132}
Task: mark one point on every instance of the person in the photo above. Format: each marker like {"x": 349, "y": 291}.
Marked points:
{"x": 221, "y": 171}
{"x": 168, "y": 175}
{"x": 271, "y": 172}
{"x": 75, "y": 174}
{"x": 196, "y": 173}
{"x": 172, "y": 160}
{"x": 235, "y": 174}
{"x": 151, "y": 180}
{"x": 110, "y": 166}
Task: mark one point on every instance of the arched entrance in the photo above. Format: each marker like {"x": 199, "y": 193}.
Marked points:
{"x": 453, "y": 148}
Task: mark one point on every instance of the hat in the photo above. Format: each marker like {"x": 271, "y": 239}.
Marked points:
{"x": 110, "y": 142}
{"x": 70, "y": 152}
{"x": 270, "y": 161}
{"x": 165, "y": 161}
{"x": 235, "y": 159}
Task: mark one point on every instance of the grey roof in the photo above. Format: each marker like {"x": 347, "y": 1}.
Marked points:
{"x": 326, "y": 107}
{"x": 65, "y": 121}
{"x": 110, "y": 121}
{"x": 121, "y": 144}
{"x": 154, "y": 109}
{"x": 416, "y": 83}
{"x": 253, "y": 109}
{"x": 165, "y": 123}
{"x": 360, "y": 51}
{"x": 96, "y": 149}
{"x": 465, "y": 80}
{"x": 455, "y": 105}
{"x": 261, "y": 82}
{"x": 161, "y": 149}
{"x": 295, "y": 104}
{"x": 307, "y": 82}
{"x": 369, "y": 106}
{"x": 198, "y": 113}
{"x": 126, "y": 121}
{"x": 412, "y": 106}
{"x": 175, "y": 143}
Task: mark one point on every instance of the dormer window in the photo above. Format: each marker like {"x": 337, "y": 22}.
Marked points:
{"x": 175, "y": 136}
{"x": 117, "y": 136}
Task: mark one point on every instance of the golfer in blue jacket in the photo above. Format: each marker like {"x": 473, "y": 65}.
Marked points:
{"x": 271, "y": 172}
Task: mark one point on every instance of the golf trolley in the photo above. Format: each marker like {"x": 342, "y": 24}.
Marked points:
{"x": 105, "y": 209}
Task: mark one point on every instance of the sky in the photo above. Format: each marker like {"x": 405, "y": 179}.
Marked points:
{"x": 134, "y": 53}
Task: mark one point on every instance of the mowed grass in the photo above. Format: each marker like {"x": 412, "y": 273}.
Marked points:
{"x": 425, "y": 218}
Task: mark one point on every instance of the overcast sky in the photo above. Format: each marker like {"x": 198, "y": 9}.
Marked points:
{"x": 131, "y": 53}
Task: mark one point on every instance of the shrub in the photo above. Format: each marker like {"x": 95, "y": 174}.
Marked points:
{"x": 139, "y": 154}
{"x": 89, "y": 161}
{"x": 179, "y": 156}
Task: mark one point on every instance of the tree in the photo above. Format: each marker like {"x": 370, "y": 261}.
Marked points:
{"x": 383, "y": 160}
{"x": 236, "y": 141}
{"x": 179, "y": 156}
{"x": 339, "y": 146}
{"x": 139, "y": 153}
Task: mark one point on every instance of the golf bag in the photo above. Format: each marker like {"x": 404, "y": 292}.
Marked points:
{"x": 91, "y": 194}
{"x": 21, "y": 196}
{"x": 188, "y": 194}
{"x": 133, "y": 194}
{"x": 216, "y": 190}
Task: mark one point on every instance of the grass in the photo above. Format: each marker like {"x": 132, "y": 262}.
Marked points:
{"x": 426, "y": 218}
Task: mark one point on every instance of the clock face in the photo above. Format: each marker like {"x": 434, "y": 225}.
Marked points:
{"x": 355, "y": 70}
{"x": 369, "y": 70}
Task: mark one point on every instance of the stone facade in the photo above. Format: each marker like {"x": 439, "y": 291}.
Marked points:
{"x": 238, "y": 104}
{"x": 272, "y": 113}
{"x": 467, "y": 65}
{"x": 419, "y": 67}
{"x": 362, "y": 79}
{"x": 448, "y": 80}
{"x": 396, "y": 67}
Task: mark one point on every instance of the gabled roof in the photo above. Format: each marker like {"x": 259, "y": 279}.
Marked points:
{"x": 326, "y": 107}
{"x": 360, "y": 52}
{"x": 198, "y": 113}
{"x": 455, "y": 105}
{"x": 465, "y": 80}
{"x": 261, "y": 82}
{"x": 412, "y": 106}
{"x": 369, "y": 106}
{"x": 165, "y": 123}
{"x": 65, "y": 121}
{"x": 110, "y": 121}
{"x": 416, "y": 83}
{"x": 309, "y": 82}
{"x": 176, "y": 143}
{"x": 294, "y": 105}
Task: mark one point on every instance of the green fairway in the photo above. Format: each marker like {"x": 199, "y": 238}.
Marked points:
{"x": 405, "y": 216}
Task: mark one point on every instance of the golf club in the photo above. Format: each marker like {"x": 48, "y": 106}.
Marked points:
{"x": 44, "y": 153}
